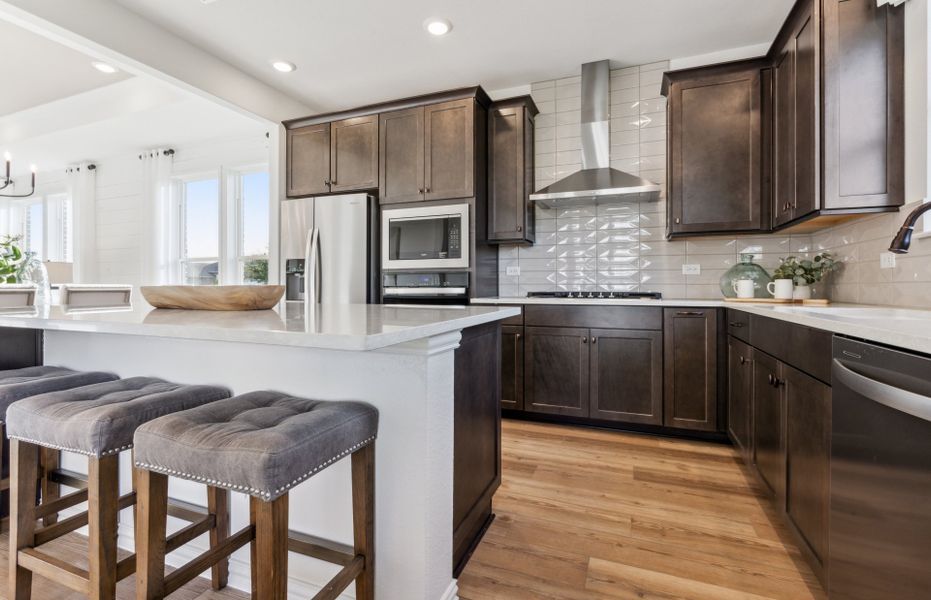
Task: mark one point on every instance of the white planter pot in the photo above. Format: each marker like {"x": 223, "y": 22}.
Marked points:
{"x": 801, "y": 292}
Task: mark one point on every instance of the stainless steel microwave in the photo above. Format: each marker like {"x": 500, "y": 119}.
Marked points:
{"x": 425, "y": 237}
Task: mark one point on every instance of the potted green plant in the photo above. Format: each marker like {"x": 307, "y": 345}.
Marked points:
{"x": 803, "y": 272}
{"x": 15, "y": 262}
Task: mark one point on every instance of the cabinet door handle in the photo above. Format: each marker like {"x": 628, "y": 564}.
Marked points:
{"x": 594, "y": 340}
{"x": 770, "y": 378}
{"x": 332, "y": 182}
{"x": 677, "y": 220}
{"x": 428, "y": 190}
{"x": 690, "y": 313}
{"x": 737, "y": 324}
{"x": 420, "y": 191}
{"x": 517, "y": 336}
{"x": 584, "y": 340}
{"x": 519, "y": 228}
{"x": 743, "y": 360}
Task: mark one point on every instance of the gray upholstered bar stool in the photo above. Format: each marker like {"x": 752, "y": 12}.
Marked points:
{"x": 97, "y": 421}
{"x": 17, "y": 384}
{"x": 261, "y": 444}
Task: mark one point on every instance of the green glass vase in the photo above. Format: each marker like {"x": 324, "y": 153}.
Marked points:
{"x": 746, "y": 269}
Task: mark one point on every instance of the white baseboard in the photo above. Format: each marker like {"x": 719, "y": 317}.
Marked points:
{"x": 452, "y": 592}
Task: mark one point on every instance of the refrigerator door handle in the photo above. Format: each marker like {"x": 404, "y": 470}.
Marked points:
{"x": 312, "y": 267}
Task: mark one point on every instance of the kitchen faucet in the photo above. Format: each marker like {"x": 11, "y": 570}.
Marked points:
{"x": 903, "y": 239}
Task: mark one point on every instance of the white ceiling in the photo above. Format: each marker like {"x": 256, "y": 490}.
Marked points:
{"x": 36, "y": 70}
{"x": 355, "y": 52}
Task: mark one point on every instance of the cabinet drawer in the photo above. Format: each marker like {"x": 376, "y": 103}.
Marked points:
{"x": 738, "y": 324}
{"x": 602, "y": 317}
{"x": 806, "y": 349}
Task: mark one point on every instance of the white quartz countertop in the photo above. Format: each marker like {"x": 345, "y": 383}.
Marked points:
{"x": 909, "y": 329}
{"x": 351, "y": 327}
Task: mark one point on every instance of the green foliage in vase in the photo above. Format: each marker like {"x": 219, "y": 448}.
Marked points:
{"x": 803, "y": 271}
{"x": 14, "y": 261}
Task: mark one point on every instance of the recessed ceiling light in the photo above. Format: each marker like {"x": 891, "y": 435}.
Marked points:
{"x": 104, "y": 67}
{"x": 437, "y": 26}
{"x": 283, "y": 66}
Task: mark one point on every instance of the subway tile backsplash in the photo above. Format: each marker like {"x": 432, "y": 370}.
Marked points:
{"x": 619, "y": 247}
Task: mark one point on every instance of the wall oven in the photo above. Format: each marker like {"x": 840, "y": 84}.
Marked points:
{"x": 425, "y": 237}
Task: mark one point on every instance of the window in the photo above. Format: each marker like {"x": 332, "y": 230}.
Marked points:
{"x": 48, "y": 228}
{"x": 200, "y": 232}
{"x": 224, "y": 227}
{"x": 252, "y": 208}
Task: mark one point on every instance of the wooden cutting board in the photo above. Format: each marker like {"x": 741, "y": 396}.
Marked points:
{"x": 213, "y": 297}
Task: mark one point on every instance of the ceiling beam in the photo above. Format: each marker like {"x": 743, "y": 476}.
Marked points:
{"x": 110, "y": 32}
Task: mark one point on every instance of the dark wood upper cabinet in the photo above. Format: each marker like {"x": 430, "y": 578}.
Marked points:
{"x": 863, "y": 104}
{"x": 626, "y": 382}
{"x": 511, "y": 170}
{"x": 835, "y": 110}
{"x": 309, "y": 160}
{"x": 512, "y": 367}
{"x": 556, "y": 368}
{"x": 769, "y": 440}
{"x": 808, "y": 455}
{"x": 715, "y": 178}
{"x": 449, "y": 138}
{"x": 691, "y": 367}
{"x": 354, "y": 154}
{"x": 401, "y": 156}
{"x": 739, "y": 395}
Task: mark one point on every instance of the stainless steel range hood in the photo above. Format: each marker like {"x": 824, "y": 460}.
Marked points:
{"x": 597, "y": 182}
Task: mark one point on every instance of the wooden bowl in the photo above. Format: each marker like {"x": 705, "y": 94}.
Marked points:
{"x": 213, "y": 297}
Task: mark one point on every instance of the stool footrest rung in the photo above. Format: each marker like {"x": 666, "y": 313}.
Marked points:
{"x": 72, "y": 499}
{"x": 343, "y": 579}
{"x": 185, "y": 510}
{"x": 68, "y": 478}
{"x": 55, "y": 531}
{"x": 55, "y": 569}
{"x": 205, "y": 560}
{"x": 320, "y": 548}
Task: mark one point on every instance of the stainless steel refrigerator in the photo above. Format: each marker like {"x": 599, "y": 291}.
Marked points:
{"x": 329, "y": 249}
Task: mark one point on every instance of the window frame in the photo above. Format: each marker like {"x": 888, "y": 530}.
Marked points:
{"x": 180, "y": 182}
{"x": 56, "y": 244}
{"x": 236, "y": 199}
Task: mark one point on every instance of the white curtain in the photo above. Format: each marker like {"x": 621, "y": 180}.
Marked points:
{"x": 82, "y": 187}
{"x": 159, "y": 236}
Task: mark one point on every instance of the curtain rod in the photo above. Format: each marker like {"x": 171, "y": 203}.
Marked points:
{"x": 168, "y": 152}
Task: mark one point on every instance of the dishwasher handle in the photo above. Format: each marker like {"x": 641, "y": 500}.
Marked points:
{"x": 883, "y": 393}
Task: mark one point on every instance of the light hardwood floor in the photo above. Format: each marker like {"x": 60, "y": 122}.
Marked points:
{"x": 595, "y": 514}
{"x": 590, "y": 514}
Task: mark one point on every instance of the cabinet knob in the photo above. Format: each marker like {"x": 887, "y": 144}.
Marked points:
{"x": 520, "y": 228}
{"x": 420, "y": 191}
{"x": 771, "y": 378}
{"x": 332, "y": 182}
{"x": 517, "y": 336}
{"x": 584, "y": 340}
{"x": 427, "y": 190}
{"x": 743, "y": 360}
{"x": 737, "y": 324}
{"x": 677, "y": 220}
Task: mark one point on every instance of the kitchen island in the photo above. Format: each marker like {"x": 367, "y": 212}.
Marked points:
{"x": 433, "y": 484}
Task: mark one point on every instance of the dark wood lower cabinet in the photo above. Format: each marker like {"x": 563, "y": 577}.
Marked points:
{"x": 556, "y": 370}
{"x": 691, "y": 349}
{"x": 739, "y": 395}
{"x": 477, "y": 437}
{"x": 512, "y": 367}
{"x": 769, "y": 440}
{"x": 808, "y": 455}
{"x": 626, "y": 382}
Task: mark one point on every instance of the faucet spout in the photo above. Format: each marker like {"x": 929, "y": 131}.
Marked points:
{"x": 903, "y": 239}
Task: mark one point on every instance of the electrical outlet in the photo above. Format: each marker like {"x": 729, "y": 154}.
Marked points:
{"x": 886, "y": 260}
{"x": 513, "y": 271}
{"x": 691, "y": 269}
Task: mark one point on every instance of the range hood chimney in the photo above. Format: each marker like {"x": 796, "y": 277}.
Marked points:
{"x": 597, "y": 182}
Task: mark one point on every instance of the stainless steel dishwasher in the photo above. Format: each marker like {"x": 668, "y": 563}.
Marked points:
{"x": 880, "y": 517}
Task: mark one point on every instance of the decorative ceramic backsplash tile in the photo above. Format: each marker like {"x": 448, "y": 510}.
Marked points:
{"x": 619, "y": 247}
{"x": 859, "y": 245}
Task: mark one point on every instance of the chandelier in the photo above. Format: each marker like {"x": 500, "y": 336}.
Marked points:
{"x": 7, "y": 181}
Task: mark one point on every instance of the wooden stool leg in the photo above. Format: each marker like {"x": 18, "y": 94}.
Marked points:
{"x": 24, "y": 469}
{"x": 218, "y": 504}
{"x": 103, "y": 492}
{"x": 50, "y": 460}
{"x": 151, "y": 530}
{"x": 5, "y": 467}
{"x": 363, "y": 518}
{"x": 270, "y": 548}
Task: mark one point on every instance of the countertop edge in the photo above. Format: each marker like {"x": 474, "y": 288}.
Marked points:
{"x": 323, "y": 341}
{"x": 912, "y": 342}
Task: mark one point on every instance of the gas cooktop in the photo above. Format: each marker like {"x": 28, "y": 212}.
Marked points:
{"x": 598, "y": 295}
